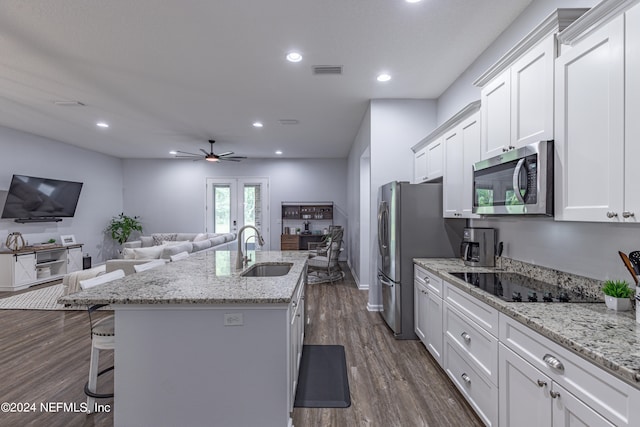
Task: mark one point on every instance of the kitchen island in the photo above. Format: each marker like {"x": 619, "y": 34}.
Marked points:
{"x": 197, "y": 343}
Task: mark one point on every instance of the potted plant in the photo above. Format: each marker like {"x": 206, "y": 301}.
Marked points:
{"x": 617, "y": 295}
{"x": 120, "y": 227}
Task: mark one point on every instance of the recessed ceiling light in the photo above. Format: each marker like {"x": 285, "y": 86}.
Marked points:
{"x": 173, "y": 152}
{"x": 102, "y": 125}
{"x": 413, "y": 1}
{"x": 294, "y": 57}
{"x": 257, "y": 124}
{"x": 383, "y": 77}
{"x": 279, "y": 152}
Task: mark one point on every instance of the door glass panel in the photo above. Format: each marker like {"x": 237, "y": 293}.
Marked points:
{"x": 252, "y": 206}
{"x": 221, "y": 209}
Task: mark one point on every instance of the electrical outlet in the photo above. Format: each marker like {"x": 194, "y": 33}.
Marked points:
{"x": 233, "y": 319}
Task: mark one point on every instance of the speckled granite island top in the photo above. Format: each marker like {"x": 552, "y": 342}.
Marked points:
{"x": 206, "y": 277}
{"x": 607, "y": 338}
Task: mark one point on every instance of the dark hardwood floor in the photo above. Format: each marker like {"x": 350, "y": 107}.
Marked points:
{"x": 44, "y": 357}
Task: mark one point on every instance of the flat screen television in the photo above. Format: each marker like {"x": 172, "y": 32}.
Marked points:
{"x": 30, "y": 197}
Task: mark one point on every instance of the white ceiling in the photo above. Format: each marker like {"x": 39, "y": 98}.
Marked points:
{"x": 170, "y": 74}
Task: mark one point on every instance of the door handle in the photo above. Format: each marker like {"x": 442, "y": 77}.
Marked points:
{"x": 516, "y": 181}
{"x": 384, "y": 282}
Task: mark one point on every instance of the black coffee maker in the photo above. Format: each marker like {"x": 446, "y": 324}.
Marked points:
{"x": 478, "y": 247}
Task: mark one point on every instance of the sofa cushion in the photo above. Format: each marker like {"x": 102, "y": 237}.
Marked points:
{"x": 217, "y": 240}
{"x": 186, "y": 236}
{"x": 201, "y": 245}
{"x": 167, "y": 251}
{"x": 158, "y": 238}
{"x": 146, "y": 241}
{"x": 229, "y": 237}
{"x": 200, "y": 237}
{"x": 153, "y": 252}
{"x": 127, "y": 253}
{"x": 172, "y": 242}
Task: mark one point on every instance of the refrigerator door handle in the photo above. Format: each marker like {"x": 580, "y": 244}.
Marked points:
{"x": 381, "y": 228}
{"x": 385, "y": 282}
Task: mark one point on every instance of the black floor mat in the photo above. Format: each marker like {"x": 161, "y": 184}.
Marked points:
{"x": 323, "y": 382}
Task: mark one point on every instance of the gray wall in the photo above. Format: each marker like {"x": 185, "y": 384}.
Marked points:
{"x": 588, "y": 249}
{"x": 169, "y": 195}
{"x": 100, "y": 199}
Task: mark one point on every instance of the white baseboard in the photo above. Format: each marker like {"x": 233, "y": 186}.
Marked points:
{"x": 361, "y": 286}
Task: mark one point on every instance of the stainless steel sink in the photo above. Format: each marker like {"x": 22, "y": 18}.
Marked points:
{"x": 268, "y": 270}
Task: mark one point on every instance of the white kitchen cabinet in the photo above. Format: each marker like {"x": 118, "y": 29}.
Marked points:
{"x": 428, "y": 162}
{"x": 528, "y": 398}
{"x": 517, "y": 91}
{"x": 596, "y": 118}
{"x": 428, "y": 311}
{"x": 296, "y": 337}
{"x": 581, "y": 390}
{"x": 461, "y": 151}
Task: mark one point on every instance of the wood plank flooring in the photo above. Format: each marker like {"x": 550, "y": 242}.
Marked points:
{"x": 44, "y": 357}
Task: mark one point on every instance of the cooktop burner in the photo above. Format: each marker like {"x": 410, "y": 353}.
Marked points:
{"x": 518, "y": 288}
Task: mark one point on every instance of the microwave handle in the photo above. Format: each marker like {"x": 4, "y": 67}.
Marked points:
{"x": 516, "y": 181}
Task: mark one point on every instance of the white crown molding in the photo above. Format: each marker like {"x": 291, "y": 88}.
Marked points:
{"x": 557, "y": 21}
{"x": 600, "y": 14}
{"x": 471, "y": 108}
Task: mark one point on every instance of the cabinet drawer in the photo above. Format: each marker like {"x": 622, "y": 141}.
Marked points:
{"x": 431, "y": 281}
{"x": 479, "y": 312}
{"x": 603, "y": 392}
{"x": 480, "y": 347}
{"x": 481, "y": 394}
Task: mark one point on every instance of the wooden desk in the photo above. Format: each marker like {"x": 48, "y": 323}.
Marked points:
{"x": 298, "y": 242}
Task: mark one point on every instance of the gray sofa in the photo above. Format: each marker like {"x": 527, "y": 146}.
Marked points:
{"x": 164, "y": 245}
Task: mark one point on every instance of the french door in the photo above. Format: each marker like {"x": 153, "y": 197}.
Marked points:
{"x": 235, "y": 202}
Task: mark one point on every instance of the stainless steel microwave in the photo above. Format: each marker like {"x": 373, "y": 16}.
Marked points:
{"x": 517, "y": 182}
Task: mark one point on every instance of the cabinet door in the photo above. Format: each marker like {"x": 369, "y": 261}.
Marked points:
{"x": 523, "y": 391}
{"x": 433, "y": 326}
{"x": 631, "y": 211}
{"x": 471, "y": 154}
{"x": 532, "y": 94}
{"x": 453, "y": 174}
{"x": 590, "y": 126}
{"x": 435, "y": 159}
{"x": 74, "y": 259}
{"x": 24, "y": 269}
{"x": 569, "y": 411}
{"x": 496, "y": 113}
{"x": 420, "y": 166}
{"x": 420, "y": 310}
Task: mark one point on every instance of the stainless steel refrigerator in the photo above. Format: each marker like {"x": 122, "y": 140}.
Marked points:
{"x": 410, "y": 225}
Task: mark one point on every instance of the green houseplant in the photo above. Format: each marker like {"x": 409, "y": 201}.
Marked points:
{"x": 617, "y": 295}
{"x": 120, "y": 227}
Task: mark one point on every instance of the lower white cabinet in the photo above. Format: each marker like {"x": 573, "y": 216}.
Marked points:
{"x": 428, "y": 311}
{"x": 24, "y": 269}
{"x": 296, "y": 337}
{"x": 74, "y": 259}
{"x": 529, "y": 398}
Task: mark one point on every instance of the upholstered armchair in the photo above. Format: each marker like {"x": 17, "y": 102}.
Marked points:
{"x": 323, "y": 256}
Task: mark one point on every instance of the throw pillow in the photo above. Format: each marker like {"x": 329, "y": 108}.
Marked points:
{"x": 158, "y": 238}
{"x": 200, "y": 237}
{"x": 148, "y": 253}
{"x": 146, "y": 241}
{"x": 128, "y": 254}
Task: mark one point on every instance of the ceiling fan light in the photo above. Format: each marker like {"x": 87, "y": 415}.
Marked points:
{"x": 211, "y": 159}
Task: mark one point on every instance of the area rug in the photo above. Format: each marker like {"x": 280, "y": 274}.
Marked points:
{"x": 40, "y": 299}
{"x": 323, "y": 381}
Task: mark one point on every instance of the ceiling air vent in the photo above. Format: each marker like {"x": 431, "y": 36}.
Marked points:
{"x": 325, "y": 70}
{"x": 288, "y": 121}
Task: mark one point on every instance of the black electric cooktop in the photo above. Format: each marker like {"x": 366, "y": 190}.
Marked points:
{"x": 518, "y": 288}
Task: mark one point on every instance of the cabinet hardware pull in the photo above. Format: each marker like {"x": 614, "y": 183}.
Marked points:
{"x": 504, "y": 150}
{"x": 293, "y": 303}
{"x": 466, "y": 337}
{"x": 511, "y": 147}
{"x": 426, "y": 279}
{"x": 466, "y": 378}
{"x": 542, "y": 383}
{"x": 554, "y": 394}
{"x": 553, "y": 362}
{"x": 627, "y": 214}
{"x": 611, "y": 214}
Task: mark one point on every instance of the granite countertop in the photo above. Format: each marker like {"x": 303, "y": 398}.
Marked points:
{"x": 207, "y": 277}
{"x": 607, "y": 338}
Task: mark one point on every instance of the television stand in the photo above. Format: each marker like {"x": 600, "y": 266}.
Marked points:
{"x": 44, "y": 219}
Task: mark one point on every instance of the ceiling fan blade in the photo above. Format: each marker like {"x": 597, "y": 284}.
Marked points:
{"x": 185, "y": 152}
{"x": 205, "y": 153}
{"x": 232, "y": 159}
{"x": 226, "y": 153}
{"x": 188, "y": 157}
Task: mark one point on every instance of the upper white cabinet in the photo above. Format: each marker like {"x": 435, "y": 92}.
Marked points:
{"x": 517, "y": 92}
{"x": 462, "y": 150}
{"x": 598, "y": 79}
{"x": 428, "y": 161}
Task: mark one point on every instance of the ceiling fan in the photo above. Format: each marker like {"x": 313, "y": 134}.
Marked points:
{"x": 210, "y": 156}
